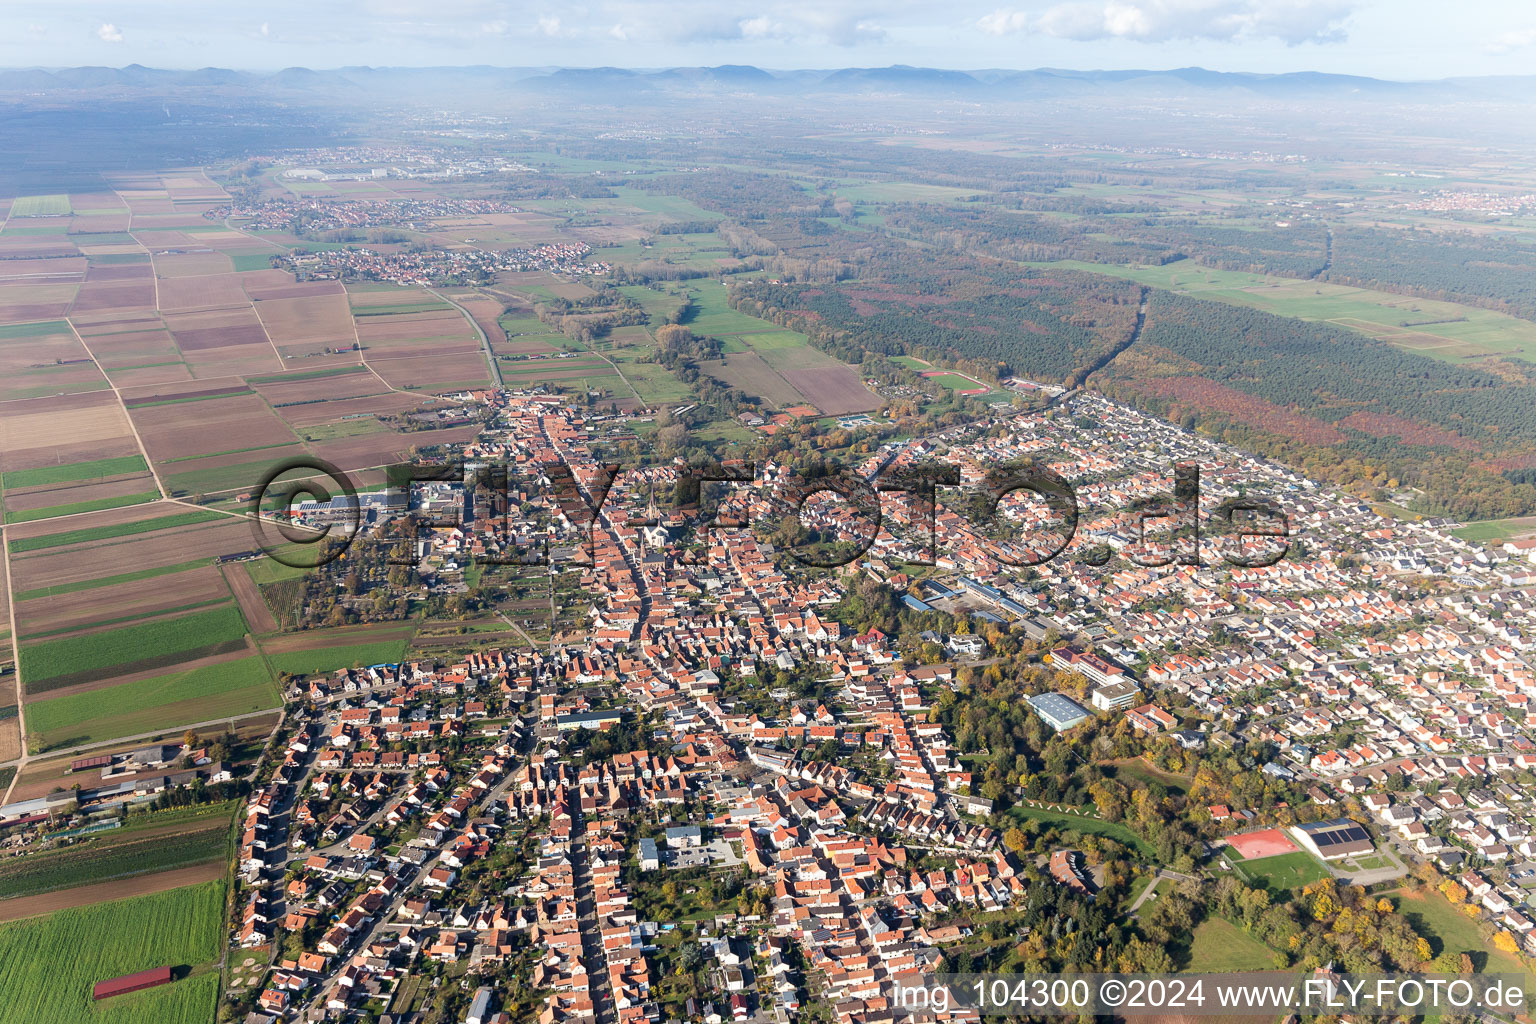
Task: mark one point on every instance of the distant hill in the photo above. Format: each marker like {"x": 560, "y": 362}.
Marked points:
{"x": 435, "y": 84}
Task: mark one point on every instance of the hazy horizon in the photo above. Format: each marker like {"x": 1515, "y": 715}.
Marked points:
{"x": 1406, "y": 41}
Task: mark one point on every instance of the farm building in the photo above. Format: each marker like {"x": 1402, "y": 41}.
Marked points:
{"x": 131, "y": 982}
{"x": 1334, "y": 839}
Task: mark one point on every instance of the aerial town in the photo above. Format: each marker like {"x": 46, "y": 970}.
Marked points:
{"x": 727, "y": 801}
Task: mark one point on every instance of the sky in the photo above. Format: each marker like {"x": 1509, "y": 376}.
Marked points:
{"x": 1396, "y": 39}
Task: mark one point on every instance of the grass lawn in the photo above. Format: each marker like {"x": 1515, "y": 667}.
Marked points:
{"x": 1138, "y": 770}
{"x": 1220, "y": 946}
{"x": 259, "y": 259}
{"x": 49, "y": 964}
{"x": 1447, "y": 928}
{"x": 1082, "y": 823}
{"x": 329, "y": 659}
{"x": 1286, "y": 871}
{"x": 1497, "y": 531}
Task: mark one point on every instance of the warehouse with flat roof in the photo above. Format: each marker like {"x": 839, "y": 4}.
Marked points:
{"x": 1059, "y": 711}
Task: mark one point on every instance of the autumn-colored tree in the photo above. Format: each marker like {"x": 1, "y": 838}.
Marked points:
{"x": 1454, "y": 892}
{"x": 1016, "y": 840}
{"x": 1505, "y": 941}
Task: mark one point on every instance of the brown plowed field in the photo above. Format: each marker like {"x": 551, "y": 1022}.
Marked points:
{"x": 91, "y": 560}
{"x": 121, "y": 888}
{"x": 134, "y": 348}
{"x": 835, "y": 390}
{"x": 319, "y": 316}
{"x": 327, "y": 412}
{"x": 191, "y": 264}
{"x": 209, "y": 426}
{"x": 82, "y": 608}
{"x": 29, "y": 498}
{"x": 132, "y": 295}
{"x": 288, "y": 288}
{"x": 257, "y": 615}
{"x": 196, "y": 292}
{"x": 328, "y": 389}
{"x": 30, "y": 430}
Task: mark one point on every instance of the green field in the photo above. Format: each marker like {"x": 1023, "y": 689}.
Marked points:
{"x": 1220, "y": 946}
{"x": 40, "y": 206}
{"x": 1137, "y": 770}
{"x": 329, "y": 659}
{"x": 76, "y": 507}
{"x": 54, "y": 540}
{"x": 1448, "y": 929}
{"x": 953, "y": 381}
{"x": 1442, "y": 330}
{"x": 1082, "y": 823}
{"x": 93, "y": 651}
{"x": 1497, "y": 531}
{"x": 1285, "y": 871}
{"x": 165, "y": 702}
{"x": 260, "y": 259}
{"x": 73, "y": 471}
{"x": 35, "y": 329}
{"x": 48, "y": 964}
{"x": 112, "y": 856}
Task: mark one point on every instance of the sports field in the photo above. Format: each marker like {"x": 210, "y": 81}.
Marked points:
{"x": 1286, "y": 871}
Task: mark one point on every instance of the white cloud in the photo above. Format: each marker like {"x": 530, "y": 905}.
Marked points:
{"x": 265, "y": 30}
{"x": 549, "y": 25}
{"x": 618, "y": 32}
{"x": 1158, "y": 21}
{"x": 1002, "y": 22}
{"x": 109, "y": 33}
{"x": 1512, "y": 40}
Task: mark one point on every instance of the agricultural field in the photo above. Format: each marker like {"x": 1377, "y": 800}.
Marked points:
{"x": 120, "y": 853}
{"x": 168, "y": 701}
{"x": 1443, "y": 330}
{"x": 49, "y": 964}
{"x": 40, "y": 206}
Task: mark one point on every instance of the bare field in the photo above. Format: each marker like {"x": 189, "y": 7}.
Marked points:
{"x": 29, "y": 498}
{"x": 257, "y": 615}
{"x": 747, "y": 371}
{"x": 121, "y": 888}
{"x": 324, "y": 317}
{"x": 210, "y": 426}
{"x": 384, "y": 403}
{"x": 93, "y": 560}
{"x": 835, "y": 390}
{"x": 281, "y": 285}
{"x": 82, "y": 608}
{"x": 30, "y": 430}
{"x": 322, "y": 390}
{"x": 201, "y": 292}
